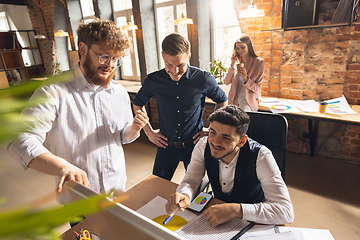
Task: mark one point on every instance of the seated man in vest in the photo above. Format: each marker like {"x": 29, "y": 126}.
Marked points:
{"x": 242, "y": 172}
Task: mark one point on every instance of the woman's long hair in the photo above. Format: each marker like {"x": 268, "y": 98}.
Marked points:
{"x": 245, "y": 39}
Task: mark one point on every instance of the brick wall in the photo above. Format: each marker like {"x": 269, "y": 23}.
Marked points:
{"x": 314, "y": 64}
{"x": 42, "y": 18}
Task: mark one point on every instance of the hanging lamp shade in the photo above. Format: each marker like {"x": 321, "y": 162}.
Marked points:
{"x": 61, "y": 33}
{"x": 39, "y": 36}
{"x": 252, "y": 11}
{"x": 183, "y": 21}
{"x": 130, "y": 27}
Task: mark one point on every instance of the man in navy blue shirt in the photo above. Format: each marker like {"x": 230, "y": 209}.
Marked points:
{"x": 180, "y": 92}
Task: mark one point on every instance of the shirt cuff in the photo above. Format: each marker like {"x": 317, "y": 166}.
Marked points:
{"x": 248, "y": 211}
{"x": 186, "y": 191}
{"x": 24, "y": 157}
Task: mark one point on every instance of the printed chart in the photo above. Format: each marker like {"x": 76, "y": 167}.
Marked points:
{"x": 155, "y": 210}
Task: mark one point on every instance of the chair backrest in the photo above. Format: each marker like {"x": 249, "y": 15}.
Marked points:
{"x": 270, "y": 129}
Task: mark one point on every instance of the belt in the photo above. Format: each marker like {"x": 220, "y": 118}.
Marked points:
{"x": 180, "y": 144}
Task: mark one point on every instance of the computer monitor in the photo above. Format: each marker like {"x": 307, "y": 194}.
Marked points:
{"x": 119, "y": 221}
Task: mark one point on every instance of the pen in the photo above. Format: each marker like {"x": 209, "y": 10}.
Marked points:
{"x": 170, "y": 216}
{"x": 77, "y": 235}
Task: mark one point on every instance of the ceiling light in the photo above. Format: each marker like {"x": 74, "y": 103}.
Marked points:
{"x": 61, "y": 33}
{"x": 130, "y": 27}
{"x": 183, "y": 21}
{"x": 252, "y": 11}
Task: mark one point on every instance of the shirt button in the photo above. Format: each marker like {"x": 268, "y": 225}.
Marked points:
{"x": 177, "y": 83}
{"x": 178, "y": 137}
{"x": 177, "y": 97}
{"x": 179, "y": 124}
{"x": 176, "y": 131}
{"x": 178, "y": 111}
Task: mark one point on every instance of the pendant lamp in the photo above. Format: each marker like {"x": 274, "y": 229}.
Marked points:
{"x": 252, "y": 11}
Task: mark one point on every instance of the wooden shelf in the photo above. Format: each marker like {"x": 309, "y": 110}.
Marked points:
{"x": 35, "y": 72}
{"x": 8, "y": 40}
{"x": 12, "y": 65}
{"x": 12, "y": 59}
{"x": 4, "y": 83}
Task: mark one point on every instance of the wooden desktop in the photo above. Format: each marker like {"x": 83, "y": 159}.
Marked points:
{"x": 134, "y": 198}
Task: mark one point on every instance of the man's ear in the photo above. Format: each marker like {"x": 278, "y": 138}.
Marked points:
{"x": 243, "y": 141}
{"x": 83, "y": 48}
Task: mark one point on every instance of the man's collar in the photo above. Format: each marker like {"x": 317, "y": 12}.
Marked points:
{"x": 187, "y": 73}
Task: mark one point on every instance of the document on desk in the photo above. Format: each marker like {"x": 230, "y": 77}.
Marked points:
{"x": 199, "y": 229}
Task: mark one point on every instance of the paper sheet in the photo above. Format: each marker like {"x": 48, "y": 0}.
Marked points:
{"x": 309, "y": 233}
{"x": 282, "y": 107}
{"x": 274, "y": 236}
{"x": 156, "y": 208}
{"x": 339, "y": 106}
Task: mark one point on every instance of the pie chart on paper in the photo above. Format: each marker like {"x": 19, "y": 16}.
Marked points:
{"x": 174, "y": 223}
{"x": 281, "y": 107}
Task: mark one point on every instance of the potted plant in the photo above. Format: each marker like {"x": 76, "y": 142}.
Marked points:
{"x": 218, "y": 71}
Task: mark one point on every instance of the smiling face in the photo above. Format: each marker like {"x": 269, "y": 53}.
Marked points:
{"x": 224, "y": 141}
{"x": 95, "y": 72}
{"x": 241, "y": 49}
{"x": 176, "y": 66}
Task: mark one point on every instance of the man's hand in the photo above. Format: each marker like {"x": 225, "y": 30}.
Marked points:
{"x": 157, "y": 138}
{"x": 218, "y": 214}
{"x": 140, "y": 120}
{"x": 177, "y": 200}
{"x": 204, "y": 132}
{"x": 71, "y": 172}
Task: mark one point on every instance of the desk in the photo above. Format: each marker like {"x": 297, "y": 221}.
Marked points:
{"x": 138, "y": 196}
{"x": 315, "y": 117}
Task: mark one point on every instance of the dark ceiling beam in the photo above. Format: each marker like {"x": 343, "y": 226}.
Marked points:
{"x": 13, "y": 2}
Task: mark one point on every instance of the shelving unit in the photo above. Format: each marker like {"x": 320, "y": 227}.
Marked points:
{"x": 20, "y": 57}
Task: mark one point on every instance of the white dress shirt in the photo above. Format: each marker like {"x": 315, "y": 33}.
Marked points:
{"x": 83, "y": 126}
{"x": 277, "y": 209}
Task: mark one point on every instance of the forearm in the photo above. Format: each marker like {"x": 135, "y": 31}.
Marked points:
{"x": 49, "y": 163}
{"x": 268, "y": 213}
{"x": 147, "y": 128}
{"x": 131, "y": 133}
{"x": 229, "y": 76}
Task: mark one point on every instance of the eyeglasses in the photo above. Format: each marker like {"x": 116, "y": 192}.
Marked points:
{"x": 104, "y": 59}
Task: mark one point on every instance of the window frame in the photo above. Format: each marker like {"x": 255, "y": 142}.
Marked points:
{"x": 127, "y": 13}
{"x": 174, "y": 4}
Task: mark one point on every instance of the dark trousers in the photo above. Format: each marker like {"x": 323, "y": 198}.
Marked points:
{"x": 167, "y": 159}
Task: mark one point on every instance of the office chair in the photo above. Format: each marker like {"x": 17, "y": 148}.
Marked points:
{"x": 269, "y": 129}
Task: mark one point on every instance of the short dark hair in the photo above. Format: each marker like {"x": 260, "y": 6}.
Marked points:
{"x": 174, "y": 44}
{"x": 246, "y": 39}
{"x": 232, "y": 115}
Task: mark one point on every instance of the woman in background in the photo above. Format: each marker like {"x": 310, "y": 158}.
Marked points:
{"x": 245, "y": 75}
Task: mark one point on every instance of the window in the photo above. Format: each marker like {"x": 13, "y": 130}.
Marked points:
{"x": 4, "y": 25}
{"x": 130, "y": 69}
{"x": 166, "y": 11}
{"x": 87, "y": 8}
{"x": 226, "y": 30}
